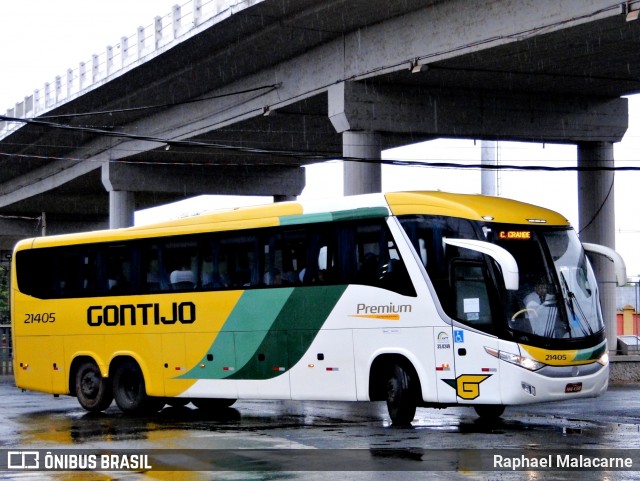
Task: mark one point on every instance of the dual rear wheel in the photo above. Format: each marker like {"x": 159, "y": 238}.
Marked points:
{"x": 95, "y": 393}
{"x": 130, "y": 392}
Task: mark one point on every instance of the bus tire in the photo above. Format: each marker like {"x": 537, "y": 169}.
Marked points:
{"x": 130, "y": 392}
{"x": 212, "y": 404}
{"x": 92, "y": 390}
{"x": 489, "y": 411}
{"x": 401, "y": 398}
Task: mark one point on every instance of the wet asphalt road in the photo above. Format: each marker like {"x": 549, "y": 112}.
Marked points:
{"x": 40, "y": 421}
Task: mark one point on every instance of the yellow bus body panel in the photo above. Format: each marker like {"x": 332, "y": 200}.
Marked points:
{"x": 474, "y": 207}
{"x": 46, "y": 350}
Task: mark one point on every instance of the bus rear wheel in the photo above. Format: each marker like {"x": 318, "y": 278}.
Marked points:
{"x": 92, "y": 390}
{"x": 130, "y": 391}
{"x": 401, "y": 398}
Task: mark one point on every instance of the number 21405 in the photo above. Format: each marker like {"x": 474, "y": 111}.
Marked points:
{"x": 40, "y": 317}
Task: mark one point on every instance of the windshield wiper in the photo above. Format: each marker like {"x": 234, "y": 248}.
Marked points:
{"x": 579, "y": 320}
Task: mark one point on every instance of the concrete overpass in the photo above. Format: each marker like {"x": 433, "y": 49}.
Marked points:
{"x": 224, "y": 98}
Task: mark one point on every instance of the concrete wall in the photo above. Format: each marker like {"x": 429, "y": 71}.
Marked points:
{"x": 624, "y": 370}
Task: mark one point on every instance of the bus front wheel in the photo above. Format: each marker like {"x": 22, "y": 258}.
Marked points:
{"x": 401, "y": 399}
{"x": 92, "y": 390}
{"x": 489, "y": 411}
{"x": 130, "y": 391}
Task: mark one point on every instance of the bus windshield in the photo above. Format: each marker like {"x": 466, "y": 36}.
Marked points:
{"x": 556, "y": 300}
{"x": 558, "y": 297}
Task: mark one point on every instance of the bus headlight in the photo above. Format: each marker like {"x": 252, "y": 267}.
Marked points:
{"x": 604, "y": 359}
{"x": 525, "y": 362}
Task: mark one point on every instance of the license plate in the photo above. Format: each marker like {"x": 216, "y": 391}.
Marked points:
{"x": 573, "y": 387}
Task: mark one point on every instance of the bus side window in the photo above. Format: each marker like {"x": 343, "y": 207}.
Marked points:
{"x": 118, "y": 263}
{"x": 152, "y": 276}
{"x": 319, "y": 267}
{"x": 180, "y": 263}
{"x": 43, "y": 261}
{"x": 210, "y": 268}
{"x": 239, "y": 262}
{"x": 283, "y": 257}
{"x": 378, "y": 261}
{"x": 272, "y": 260}
{"x": 77, "y": 274}
{"x": 294, "y": 248}
{"x": 472, "y": 304}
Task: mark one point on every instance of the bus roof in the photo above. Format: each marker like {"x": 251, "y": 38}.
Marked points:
{"x": 474, "y": 207}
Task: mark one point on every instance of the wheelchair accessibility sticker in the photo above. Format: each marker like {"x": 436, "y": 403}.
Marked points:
{"x": 458, "y": 337}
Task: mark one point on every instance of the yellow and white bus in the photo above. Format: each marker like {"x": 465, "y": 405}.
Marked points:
{"x": 414, "y": 298}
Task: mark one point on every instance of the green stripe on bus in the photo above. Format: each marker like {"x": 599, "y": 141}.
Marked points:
{"x": 353, "y": 214}
{"x": 292, "y": 333}
{"x": 267, "y": 332}
{"x": 242, "y": 333}
{"x": 362, "y": 213}
{"x": 591, "y": 354}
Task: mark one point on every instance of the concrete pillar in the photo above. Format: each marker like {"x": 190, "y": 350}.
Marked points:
{"x": 489, "y": 159}
{"x": 362, "y": 177}
{"x": 597, "y": 223}
{"x": 121, "y": 208}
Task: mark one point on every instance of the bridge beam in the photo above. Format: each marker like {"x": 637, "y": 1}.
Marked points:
{"x": 488, "y": 115}
{"x": 123, "y": 180}
{"x": 203, "y": 179}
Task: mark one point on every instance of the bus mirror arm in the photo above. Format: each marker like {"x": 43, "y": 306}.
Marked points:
{"x": 503, "y": 257}
{"x": 618, "y": 262}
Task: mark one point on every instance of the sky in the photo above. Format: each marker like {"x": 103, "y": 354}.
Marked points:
{"x": 41, "y": 39}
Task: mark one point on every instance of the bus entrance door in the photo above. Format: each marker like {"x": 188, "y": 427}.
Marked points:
{"x": 476, "y": 371}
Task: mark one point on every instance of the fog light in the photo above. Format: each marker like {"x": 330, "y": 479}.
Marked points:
{"x": 528, "y": 388}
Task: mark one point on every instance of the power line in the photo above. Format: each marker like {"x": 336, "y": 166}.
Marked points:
{"x": 602, "y": 204}
{"x": 319, "y": 157}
